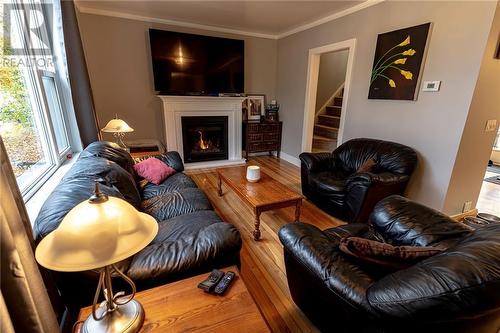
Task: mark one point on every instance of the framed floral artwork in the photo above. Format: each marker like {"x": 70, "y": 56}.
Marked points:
{"x": 397, "y": 64}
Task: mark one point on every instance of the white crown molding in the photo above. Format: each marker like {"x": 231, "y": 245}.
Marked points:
{"x": 348, "y": 11}
{"x": 329, "y": 18}
{"x": 103, "y": 12}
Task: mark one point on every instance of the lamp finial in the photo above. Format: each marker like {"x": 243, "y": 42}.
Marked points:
{"x": 98, "y": 196}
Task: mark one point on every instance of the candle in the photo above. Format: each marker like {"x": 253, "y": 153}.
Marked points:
{"x": 253, "y": 173}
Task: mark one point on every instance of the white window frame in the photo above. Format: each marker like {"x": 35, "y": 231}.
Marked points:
{"x": 40, "y": 107}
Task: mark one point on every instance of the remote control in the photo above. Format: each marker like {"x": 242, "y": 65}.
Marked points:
{"x": 209, "y": 284}
{"x": 224, "y": 283}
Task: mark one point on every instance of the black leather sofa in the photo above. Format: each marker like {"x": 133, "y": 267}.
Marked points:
{"x": 332, "y": 180}
{"x": 191, "y": 239}
{"x": 457, "y": 290}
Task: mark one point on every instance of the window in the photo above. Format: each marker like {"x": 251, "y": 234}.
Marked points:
{"x": 35, "y": 112}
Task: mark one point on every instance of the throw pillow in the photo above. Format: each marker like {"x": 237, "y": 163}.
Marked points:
{"x": 154, "y": 170}
{"x": 367, "y": 166}
{"x": 383, "y": 254}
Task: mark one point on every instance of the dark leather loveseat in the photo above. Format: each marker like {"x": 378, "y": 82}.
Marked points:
{"x": 333, "y": 180}
{"x": 191, "y": 239}
{"x": 457, "y": 290}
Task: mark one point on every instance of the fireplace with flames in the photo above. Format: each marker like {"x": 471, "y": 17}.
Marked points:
{"x": 204, "y": 138}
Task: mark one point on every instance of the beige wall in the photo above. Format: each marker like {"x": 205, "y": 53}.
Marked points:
{"x": 475, "y": 146}
{"x": 119, "y": 62}
{"x": 332, "y": 70}
{"x": 434, "y": 123}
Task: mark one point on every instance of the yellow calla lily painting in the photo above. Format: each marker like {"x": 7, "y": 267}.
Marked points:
{"x": 398, "y": 62}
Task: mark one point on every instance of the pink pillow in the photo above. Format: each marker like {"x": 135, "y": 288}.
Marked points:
{"x": 153, "y": 170}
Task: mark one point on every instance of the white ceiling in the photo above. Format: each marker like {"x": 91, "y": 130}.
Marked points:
{"x": 272, "y": 18}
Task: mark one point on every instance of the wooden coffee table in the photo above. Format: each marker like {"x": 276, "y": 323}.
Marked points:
{"x": 182, "y": 307}
{"x": 266, "y": 194}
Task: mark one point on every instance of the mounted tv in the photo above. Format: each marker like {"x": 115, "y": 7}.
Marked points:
{"x": 187, "y": 64}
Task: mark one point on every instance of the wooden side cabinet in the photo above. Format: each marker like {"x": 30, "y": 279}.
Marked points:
{"x": 261, "y": 137}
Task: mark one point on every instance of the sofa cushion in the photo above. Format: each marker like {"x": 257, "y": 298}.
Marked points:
{"x": 464, "y": 281}
{"x": 331, "y": 184}
{"x": 165, "y": 206}
{"x": 176, "y": 182}
{"x": 383, "y": 254}
{"x": 107, "y": 173}
{"x": 154, "y": 170}
{"x": 110, "y": 151}
{"x": 186, "y": 243}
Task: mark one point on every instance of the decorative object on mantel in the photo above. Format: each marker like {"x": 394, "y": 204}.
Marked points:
{"x": 253, "y": 173}
{"x": 118, "y": 127}
{"x": 397, "y": 64}
{"x": 253, "y": 107}
{"x": 272, "y": 112}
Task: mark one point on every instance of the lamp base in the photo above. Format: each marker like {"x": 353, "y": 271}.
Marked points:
{"x": 127, "y": 318}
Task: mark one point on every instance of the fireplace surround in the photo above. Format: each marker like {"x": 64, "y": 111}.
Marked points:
{"x": 175, "y": 108}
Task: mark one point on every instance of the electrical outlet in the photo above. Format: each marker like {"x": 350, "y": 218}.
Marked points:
{"x": 491, "y": 125}
{"x": 467, "y": 206}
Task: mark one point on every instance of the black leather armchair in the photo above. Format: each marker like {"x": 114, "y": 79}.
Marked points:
{"x": 332, "y": 180}
{"x": 457, "y": 290}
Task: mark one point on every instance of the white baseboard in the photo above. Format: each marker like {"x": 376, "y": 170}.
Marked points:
{"x": 289, "y": 158}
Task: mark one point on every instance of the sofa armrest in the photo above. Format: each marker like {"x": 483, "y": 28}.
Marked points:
{"x": 316, "y": 161}
{"x": 171, "y": 158}
{"x": 409, "y": 223}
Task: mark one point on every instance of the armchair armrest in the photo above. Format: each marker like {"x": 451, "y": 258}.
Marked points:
{"x": 316, "y": 161}
{"x": 385, "y": 178}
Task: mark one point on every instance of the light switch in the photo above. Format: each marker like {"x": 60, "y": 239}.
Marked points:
{"x": 491, "y": 125}
{"x": 431, "y": 85}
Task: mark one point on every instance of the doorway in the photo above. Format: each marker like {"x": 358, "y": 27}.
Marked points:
{"x": 327, "y": 93}
{"x": 489, "y": 197}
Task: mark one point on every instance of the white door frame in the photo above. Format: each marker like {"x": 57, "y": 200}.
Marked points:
{"x": 312, "y": 87}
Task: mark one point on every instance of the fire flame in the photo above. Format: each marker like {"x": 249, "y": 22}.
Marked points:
{"x": 202, "y": 143}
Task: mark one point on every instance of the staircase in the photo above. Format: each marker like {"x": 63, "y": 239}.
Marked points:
{"x": 327, "y": 125}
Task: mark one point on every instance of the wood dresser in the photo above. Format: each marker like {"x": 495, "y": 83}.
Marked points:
{"x": 261, "y": 137}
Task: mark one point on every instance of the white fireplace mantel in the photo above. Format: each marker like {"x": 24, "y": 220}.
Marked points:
{"x": 176, "y": 107}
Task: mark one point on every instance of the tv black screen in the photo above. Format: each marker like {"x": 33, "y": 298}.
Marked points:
{"x": 194, "y": 64}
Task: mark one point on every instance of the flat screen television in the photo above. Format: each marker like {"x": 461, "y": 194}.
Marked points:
{"x": 187, "y": 64}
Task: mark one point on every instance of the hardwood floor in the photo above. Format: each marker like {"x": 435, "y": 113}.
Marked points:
{"x": 262, "y": 264}
{"x": 489, "y": 198}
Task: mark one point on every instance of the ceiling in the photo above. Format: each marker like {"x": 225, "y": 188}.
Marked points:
{"x": 260, "y": 17}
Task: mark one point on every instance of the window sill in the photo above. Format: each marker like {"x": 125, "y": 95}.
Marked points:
{"x": 36, "y": 201}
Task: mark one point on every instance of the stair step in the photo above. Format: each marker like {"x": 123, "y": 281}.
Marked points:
{"x": 322, "y": 144}
{"x": 337, "y": 101}
{"x": 333, "y": 111}
{"x": 326, "y": 131}
{"x": 327, "y": 120}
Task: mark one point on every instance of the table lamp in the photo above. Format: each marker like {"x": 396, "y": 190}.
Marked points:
{"x": 98, "y": 233}
{"x": 118, "y": 127}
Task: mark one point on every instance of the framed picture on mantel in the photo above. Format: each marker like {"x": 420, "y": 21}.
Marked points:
{"x": 397, "y": 63}
{"x": 253, "y": 107}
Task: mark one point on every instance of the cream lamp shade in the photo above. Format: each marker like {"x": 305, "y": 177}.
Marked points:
{"x": 117, "y": 126}
{"x": 96, "y": 233}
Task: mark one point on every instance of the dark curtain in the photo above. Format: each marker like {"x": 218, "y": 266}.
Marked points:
{"x": 25, "y": 305}
{"x": 81, "y": 91}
